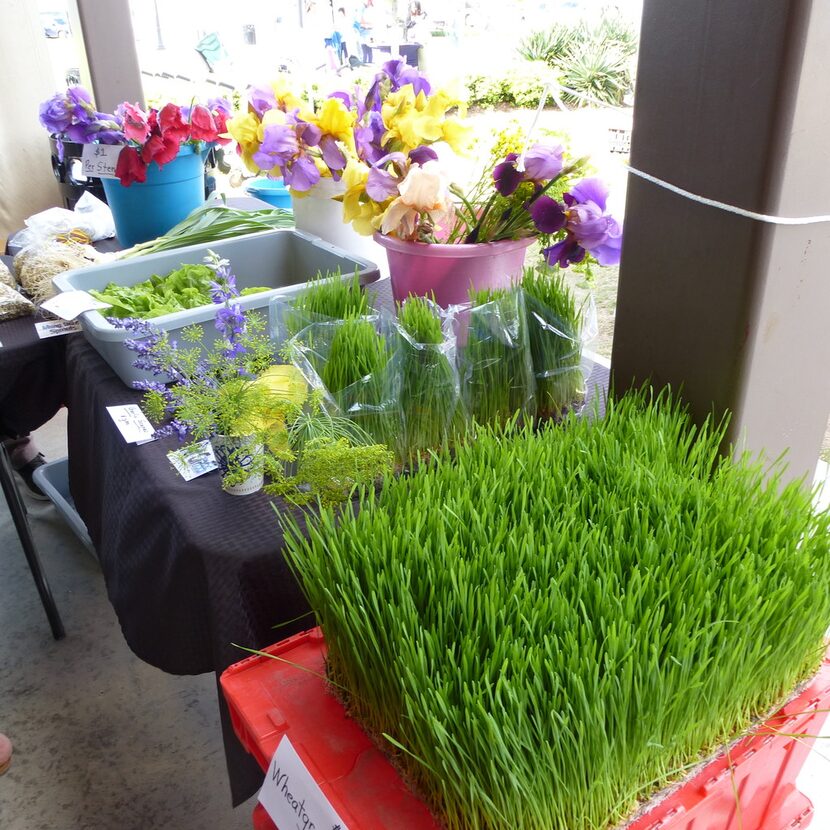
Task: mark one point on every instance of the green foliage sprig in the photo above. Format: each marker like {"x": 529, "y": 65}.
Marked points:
{"x": 552, "y": 624}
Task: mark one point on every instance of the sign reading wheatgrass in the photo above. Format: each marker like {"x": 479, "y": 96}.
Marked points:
{"x": 292, "y": 797}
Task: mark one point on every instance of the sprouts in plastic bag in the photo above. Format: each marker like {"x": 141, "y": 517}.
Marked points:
{"x": 496, "y": 366}
{"x": 323, "y": 300}
{"x": 6, "y": 277}
{"x": 353, "y": 363}
{"x": 558, "y": 325}
{"x": 430, "y": 387}
{"x": 39, "y": 262}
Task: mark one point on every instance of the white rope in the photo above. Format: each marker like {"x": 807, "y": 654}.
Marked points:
{"x": 749, "y": 214}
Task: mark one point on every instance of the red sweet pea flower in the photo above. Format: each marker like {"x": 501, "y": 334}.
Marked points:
{"x": 136, "y": 126}
{"x": 161, "y": 149}
{"x": 221, "y": 119}
{"x": 202, "y": 125}
{"x": 171, "y": 123}
{"x": 130, "y": 167}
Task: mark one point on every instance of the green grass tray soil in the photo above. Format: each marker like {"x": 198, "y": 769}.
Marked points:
{"x": 552, "y": 625}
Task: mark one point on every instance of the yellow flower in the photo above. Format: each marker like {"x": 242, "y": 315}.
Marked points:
{"x": 334, "y": 119}
{"x": 358, "y": 208}
{"x": 424, "y": 190}
{"x": 286, "y": 99}
{"x": 457, "y": 134}
{"x": 245, "y": 130}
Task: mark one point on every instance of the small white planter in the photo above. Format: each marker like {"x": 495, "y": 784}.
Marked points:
{"x": 239, "y": 451}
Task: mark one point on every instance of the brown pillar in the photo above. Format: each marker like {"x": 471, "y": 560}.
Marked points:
{"x": 110, "y": 52}
{"x": 732, "y": 104}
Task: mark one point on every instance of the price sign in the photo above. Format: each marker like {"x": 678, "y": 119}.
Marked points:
{"x": 99, "y": 160}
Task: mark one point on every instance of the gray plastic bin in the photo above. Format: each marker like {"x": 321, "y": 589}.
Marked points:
{"x": 53, "y": 479}
{"x": 285, "y": 259}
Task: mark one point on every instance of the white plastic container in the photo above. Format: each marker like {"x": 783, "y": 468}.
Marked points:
{"x": 284, "y": 259}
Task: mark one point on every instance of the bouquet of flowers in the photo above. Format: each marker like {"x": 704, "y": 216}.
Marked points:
{"x": 283, "y": 137}
{"x": 155, "y": 135}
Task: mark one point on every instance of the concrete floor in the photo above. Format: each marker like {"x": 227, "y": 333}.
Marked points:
{"x": 103, "y": 740}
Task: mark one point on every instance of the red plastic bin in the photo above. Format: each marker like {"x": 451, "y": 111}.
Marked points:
{"x": 271, "y": 698}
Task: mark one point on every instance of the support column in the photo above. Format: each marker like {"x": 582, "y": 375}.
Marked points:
{"x": 111, "y": 53}
{"x": 731, "y": 103}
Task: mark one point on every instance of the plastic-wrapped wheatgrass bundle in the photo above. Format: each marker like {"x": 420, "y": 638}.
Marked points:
{"x": 354, "y": 364}
{"x": 430, "y": 387}
{"x": 496, "y": 367}
{"x": 558, "y": 327}
{"x": 324, "y": 299}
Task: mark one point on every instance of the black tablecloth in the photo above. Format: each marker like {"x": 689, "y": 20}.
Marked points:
{"x": 32, "y": 375}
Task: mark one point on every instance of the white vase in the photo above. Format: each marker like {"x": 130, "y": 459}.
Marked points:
{"x": 319, "y": 214}
{"x": 239, "y": 451}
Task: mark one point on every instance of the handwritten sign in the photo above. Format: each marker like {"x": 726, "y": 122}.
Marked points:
{"x": 193, "y": 461}
{"x": 70, "y": 304}
{"x": 292, "y": 797}
{"x": 131, "y": 423}
{"x": 56, "y": 328}
{"x": 99, "y": 160}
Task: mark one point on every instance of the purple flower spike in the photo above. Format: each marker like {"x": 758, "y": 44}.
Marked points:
{"x": 564, "y": 253}
{"x": 543, "y": 162}
{"x": 421, "y": 155}
{"x": 548, "y": 214}
{"x": 506, "y": 177}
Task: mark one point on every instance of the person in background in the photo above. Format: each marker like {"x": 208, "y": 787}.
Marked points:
{"x": 364, "y": 25}
{"x": 341, "y": 31}
{"x": 25, "y": 458}
{"x": 415, "y": 22}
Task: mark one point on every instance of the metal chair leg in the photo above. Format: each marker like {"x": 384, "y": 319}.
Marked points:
{"x": 21, "y": 523}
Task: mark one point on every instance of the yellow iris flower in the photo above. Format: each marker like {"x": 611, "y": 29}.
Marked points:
{"x": 334, "y": 119}
{"x": 363, "y": 213}
{"x": 245, "y": 130}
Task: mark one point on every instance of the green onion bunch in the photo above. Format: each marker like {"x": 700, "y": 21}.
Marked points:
{"x": 429, "y": 380}
{"x": 549, "y": 626}
{"x": 497, "y": 371}
{"x": 356, "y": 373}
{"x": 553, "y": 323}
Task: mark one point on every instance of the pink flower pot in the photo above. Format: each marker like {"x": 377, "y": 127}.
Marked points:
{"x": 449, "y": 271}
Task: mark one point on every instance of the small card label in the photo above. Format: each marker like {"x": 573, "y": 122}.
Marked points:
{"x": 70, "y": 304}
{"x": 131, "y": 423}
{"x": 292, "y": 797}
{"x": 193, "y": 461}
{"x": 99, "y": 160}
{"x": 56, "y": 328}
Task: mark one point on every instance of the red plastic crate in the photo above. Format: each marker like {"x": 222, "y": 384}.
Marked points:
{"x": 271, "y": 698}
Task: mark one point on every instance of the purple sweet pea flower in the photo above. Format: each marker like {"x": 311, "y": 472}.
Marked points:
{"x": 302, "y": 174}
{"x": 262, "y": 99}
{"x": 543, "y": 162}
{"x": 421, "y": 155}
{"x": 279, "y": 145}
{"x": 506, "y": 177}
{"x": 220, "y": 105}
{"x": 548, "y": 215}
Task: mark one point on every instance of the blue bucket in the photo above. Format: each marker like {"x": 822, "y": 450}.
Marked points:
{"x": 145, "y": 210}
{"x": 272, "y": 191}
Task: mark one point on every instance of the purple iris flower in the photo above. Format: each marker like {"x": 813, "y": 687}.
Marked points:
{"x": 302, "y": 175}
{"x": 564, "y": 253}
{"x": 55, "y": 114}
{"x": 262, "y": 99}
{"x": 590, "y": 223}
{"x": 548, "y": 215}
{"x": 368, "y": 138}
{"x": 78, "y": 97}
{"x": 381, "y": 184}
{"x": 421, "y": 155}
{"x": 344, "y": 97}
{"x": 543, "y": 162}
{"x": 278, "y": 147}
{"x": 333, "y": 156}
{"x": 506, "y": 177}
{"x": 309, "y": 134}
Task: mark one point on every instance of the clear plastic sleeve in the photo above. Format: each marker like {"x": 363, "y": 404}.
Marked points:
{"x": 430, "y": 389}
{"x": 556, "y": 347}
{"x": 13, "y": 304}
{"x": 354, "y": 364}
{"x": 496, "y": 367}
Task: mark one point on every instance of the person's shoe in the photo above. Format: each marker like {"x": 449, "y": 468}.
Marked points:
{"x": 27, "y": 471}
{"x": 5, "y": 754}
